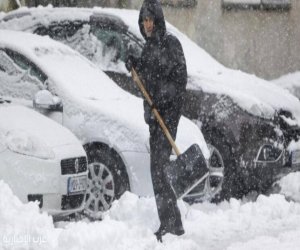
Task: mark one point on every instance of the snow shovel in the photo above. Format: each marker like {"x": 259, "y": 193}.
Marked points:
{"x": 190, "y": 168}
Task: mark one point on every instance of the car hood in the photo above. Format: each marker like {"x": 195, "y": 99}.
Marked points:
{"x": 29, "y": 122}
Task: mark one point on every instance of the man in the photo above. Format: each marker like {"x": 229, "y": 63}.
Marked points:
{"x": 162, "y": 69}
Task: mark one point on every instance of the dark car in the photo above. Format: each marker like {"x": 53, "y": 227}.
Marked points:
{"x": 252, "y": 122}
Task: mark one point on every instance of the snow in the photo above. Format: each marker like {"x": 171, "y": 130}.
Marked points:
{"x": 24, "y": 143}
{"x": 290, "y": 186}
{"x": 269, "y": 223}
{"x": 254, "y": 95}
{"x": 293, "y": 146}
{"x": 33, "y": 128}
{"x": 291, "y": 82}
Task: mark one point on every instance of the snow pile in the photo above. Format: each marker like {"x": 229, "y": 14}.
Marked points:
{"x": 290, "y": 186}
{"x": 269, "y": 223}
{"x": 24, "y": 222}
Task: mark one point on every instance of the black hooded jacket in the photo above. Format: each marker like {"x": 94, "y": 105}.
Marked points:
{"x": 162, "y": 65}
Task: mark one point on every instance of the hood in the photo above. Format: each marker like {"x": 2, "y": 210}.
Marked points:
{"x": 29, "y": 122}
{"x": 153, "y": 7}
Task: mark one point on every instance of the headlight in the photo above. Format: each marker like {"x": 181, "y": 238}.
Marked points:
{"x": 269, "y": 153}
{"x": 23, "y": 143}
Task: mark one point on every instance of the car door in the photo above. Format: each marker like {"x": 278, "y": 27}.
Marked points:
{"x": 21, "y": 79}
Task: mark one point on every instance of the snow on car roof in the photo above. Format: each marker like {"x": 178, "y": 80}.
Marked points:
{"x": 42, "y": 15}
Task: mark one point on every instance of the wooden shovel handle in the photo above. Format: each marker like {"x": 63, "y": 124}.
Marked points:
{"x": 157, "y": 115}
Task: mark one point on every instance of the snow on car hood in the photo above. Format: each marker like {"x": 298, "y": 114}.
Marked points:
{"x": 291, "y": 82}
{"x": 28, "y": 122}
{"x": 108, "y": 111}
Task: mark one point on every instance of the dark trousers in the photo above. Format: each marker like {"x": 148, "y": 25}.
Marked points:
{"x": 160, "y": 151}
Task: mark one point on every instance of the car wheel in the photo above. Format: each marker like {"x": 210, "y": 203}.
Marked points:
{"x": 231, "y": 186}
{"x": 212, "y": 185}
{"x": 107, "y": 178}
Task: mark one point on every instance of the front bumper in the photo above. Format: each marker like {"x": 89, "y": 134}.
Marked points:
{"x": 261, "y": 175}
{"x": 32, "y": 178}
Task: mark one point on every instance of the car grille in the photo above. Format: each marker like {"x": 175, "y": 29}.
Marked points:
{"x": 73, "y": 165}
{"x": 72, "y": 201}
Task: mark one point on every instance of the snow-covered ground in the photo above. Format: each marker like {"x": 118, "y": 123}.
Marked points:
{"x": 268, "y": 223}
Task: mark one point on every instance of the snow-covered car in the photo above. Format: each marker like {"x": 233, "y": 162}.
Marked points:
{"x": 291, "y": 82}
{"x": 253, "y": 123}
{"x": 41, "y": 160}
{"x": 57, "y": 81}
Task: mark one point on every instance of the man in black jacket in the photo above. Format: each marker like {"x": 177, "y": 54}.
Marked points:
{"x": 162, "y": 68}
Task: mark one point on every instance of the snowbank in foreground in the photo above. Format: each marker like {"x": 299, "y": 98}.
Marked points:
{"x": 269, "y": 223}
{"x": 290, "y": 186}
{"x": 21, "y": 222}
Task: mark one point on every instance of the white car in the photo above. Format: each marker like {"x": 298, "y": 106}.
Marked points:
{"x": 60, "y": 83}
{"x": 41, "y": 160}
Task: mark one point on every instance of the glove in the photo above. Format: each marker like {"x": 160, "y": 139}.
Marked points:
{"x": 131, "y": 61}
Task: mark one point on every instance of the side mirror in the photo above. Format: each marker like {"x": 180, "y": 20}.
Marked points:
{"x": 45, "y": 100}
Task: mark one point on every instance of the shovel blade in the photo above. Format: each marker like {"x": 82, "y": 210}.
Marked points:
{"x": 188, "y": 170}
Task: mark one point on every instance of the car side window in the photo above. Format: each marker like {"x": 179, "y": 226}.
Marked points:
{"x": 133, "y": 45}
{"x": 112, "y": 43}
{"x": 60, "y": 31}
{"x": 117, "y": 43}
{"x": 19, "y": 78}
{"x": 25, "y": 64}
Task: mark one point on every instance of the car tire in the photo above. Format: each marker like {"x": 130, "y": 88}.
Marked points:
{"x": 231, "y": 187}
{"x": 211, "y": 186}
{"x": 107, "y": 178}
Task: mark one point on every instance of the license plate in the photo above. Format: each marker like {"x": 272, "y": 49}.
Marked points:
{"x": 296, "y": 157}
{"x": 77, "y": 184}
